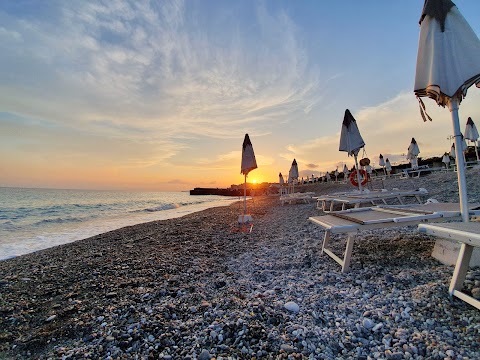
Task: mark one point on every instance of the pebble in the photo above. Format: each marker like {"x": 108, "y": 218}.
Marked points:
{"x": 204, "y": 355}
{"x": 476, "y": 293}
{"x": 292, "y": 306}
{"x": 367, "y": 323}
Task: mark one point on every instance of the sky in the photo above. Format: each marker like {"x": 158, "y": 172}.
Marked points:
{"x": 158, "y": 95}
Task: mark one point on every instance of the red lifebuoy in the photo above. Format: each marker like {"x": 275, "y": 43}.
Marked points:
{"x": 353, "y": 177}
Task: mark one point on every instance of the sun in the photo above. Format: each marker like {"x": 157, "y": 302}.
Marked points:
{"x": 254, "y": 181}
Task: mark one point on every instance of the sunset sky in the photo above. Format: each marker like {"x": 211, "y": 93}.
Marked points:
{"x": 158, "y": 95}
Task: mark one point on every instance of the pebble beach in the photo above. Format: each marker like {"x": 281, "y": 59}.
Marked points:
{"x": 200, "y": 287}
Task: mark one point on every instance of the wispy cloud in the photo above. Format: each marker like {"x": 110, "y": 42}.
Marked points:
{"x": 150, "y": 71}
{"x": 387, "y": 129}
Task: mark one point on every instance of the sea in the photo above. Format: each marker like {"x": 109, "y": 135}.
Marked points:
{"x": 36, "y": 219}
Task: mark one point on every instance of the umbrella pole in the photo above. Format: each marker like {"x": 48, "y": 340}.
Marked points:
{"x": 359, "y": 179}
{"x": 245, "y": 196}
{"x": 476, "y": 150}
{"x": 462, "y": 183}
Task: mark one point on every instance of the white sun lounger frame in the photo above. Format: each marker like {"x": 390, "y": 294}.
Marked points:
{"x": 327, "y": 203}
{"x": 468, "y": 234}
{"x": 353, "y": 221}
{"x": 293, "y": 198}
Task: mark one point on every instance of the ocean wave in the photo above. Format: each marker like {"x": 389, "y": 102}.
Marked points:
{"x": 58, "y": 221}
{"x": 159, "y": 208}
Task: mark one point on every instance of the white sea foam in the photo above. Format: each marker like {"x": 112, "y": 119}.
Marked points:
{"x": 36, "y": 219}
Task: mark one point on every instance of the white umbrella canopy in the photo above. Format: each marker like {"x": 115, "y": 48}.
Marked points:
{"x": 248, "y": 157}
{"x": 471, "y": 133}
{"x": 448, "y": 53}
{"x": 452, "y": 151}
{"x": 446, "y": 159}
{"x": 293, "y": 173}
{"x": 463, "y": 147}
{"x": 412, "y": 153}
{"x": 381, "y": 161}
{"x": 388, "y": 166}
{"x": 413, "y": 149}
{"x": 248, "y": 164}
{"x": 345, "y": 170}
{"x": 351, "y": 141}
{"x": 448, "y": 63}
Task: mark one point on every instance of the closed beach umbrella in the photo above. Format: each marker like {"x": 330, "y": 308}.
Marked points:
{"x": 293, "y": 174}
{"x": 248, "y": 164}
{"x": 248, "y": 157}
{"x": 446, "y": 160}
{"x": 452, "y": 151}
{"x": 412, "y": 153}
{"x": 413, "y": 149}
{"x": 381, "y": 162}
{"x": 471, "y": 133}
{"x": 463, "y": 147}
{"x": 351, "y": 141}
{"x": 388, "y": 166}
{"x": 280, "y": 179}
{"x": 448, "y": 63}
{"x": 345, "y": 170}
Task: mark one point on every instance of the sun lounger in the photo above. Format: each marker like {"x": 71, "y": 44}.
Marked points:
{"x": 468, "y": 234}
{"x": 411, "y": 172}
{"x": 327, "y": 203}
{"x": 295, "y": 197}
{"x": 353, "y": 221}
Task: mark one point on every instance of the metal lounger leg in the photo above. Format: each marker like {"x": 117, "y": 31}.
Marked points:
{"x": 326, "y": 239}
{"x": 348, "y": 253}
{"x": 459, "y": 274}
{"x": 345, "y": 262}
{"x": 461, "y": 268}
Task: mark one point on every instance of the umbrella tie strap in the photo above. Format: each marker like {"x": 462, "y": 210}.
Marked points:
{"x": 423, "y": 110}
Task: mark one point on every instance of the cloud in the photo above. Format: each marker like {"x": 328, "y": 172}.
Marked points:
{"x": 179, "y": 182}
{"x": 152, "y": 66}
{"x": 146, "y": 76}
{"x": 387, "y": 129}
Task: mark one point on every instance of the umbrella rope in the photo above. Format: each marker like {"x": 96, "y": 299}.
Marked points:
{"x": 423, "y": 110}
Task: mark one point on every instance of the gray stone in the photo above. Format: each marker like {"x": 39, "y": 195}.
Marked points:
{"x": 204, "y": 355}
